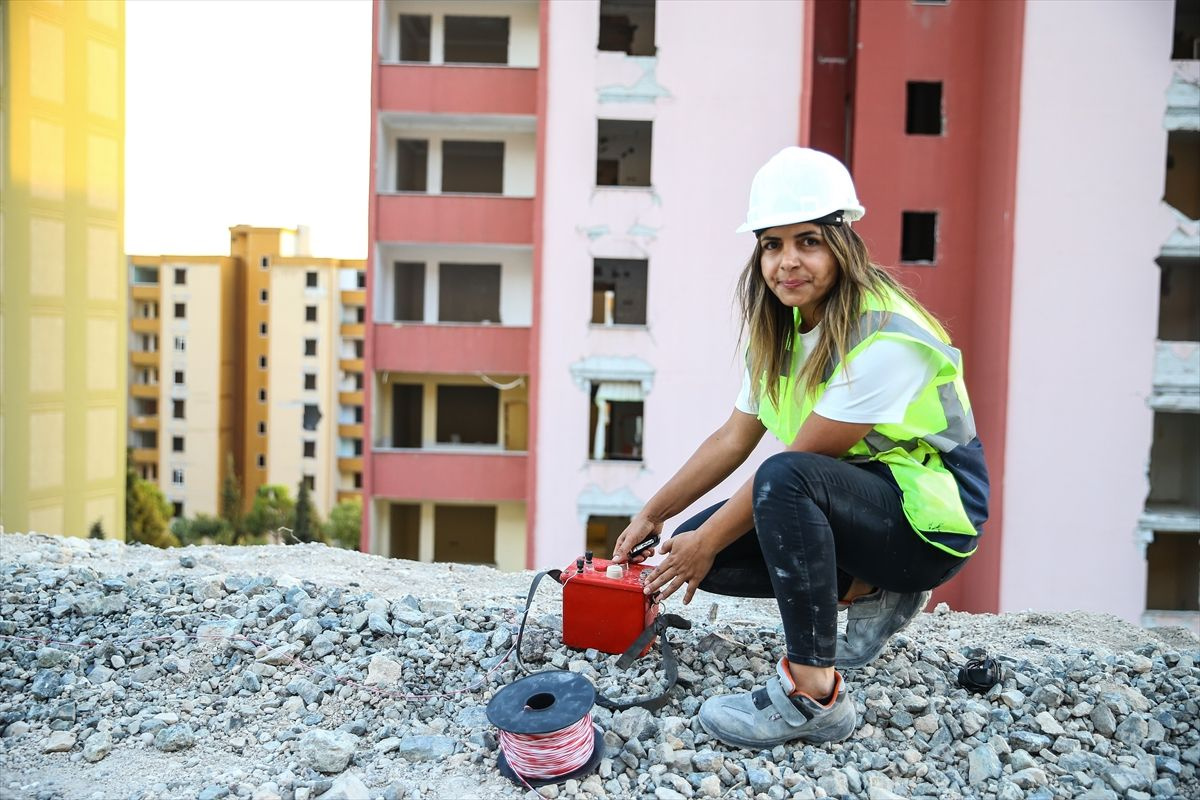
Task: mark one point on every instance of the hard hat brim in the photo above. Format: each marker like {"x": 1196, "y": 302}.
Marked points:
{"x": 852, "y": 214}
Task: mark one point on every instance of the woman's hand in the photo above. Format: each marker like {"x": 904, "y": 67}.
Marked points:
{"x": 688, "y": 561}
{"x": 640, "y": 528}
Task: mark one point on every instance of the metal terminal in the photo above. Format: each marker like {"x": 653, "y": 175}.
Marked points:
{"x": 579, "y": 564}
{"x": 587, "y": 560}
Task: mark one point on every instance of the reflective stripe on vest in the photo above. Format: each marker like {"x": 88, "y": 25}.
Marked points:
{"x": 938, "y": 420}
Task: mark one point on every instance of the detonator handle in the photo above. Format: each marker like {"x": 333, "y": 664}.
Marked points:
{"x": 645, "y": 544}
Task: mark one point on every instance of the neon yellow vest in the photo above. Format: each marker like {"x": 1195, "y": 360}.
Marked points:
{"x": 937, "y": 420}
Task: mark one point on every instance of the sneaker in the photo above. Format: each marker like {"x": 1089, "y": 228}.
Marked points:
{"x": 873, "y": 619}
{"x": 771, "y": 715}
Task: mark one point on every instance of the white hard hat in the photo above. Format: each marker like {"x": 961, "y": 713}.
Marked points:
{"x": 799, "y": 184}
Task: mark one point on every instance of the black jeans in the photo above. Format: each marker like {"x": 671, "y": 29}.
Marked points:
{"x": 818, "y": 524}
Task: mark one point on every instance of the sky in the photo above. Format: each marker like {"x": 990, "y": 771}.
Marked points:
{"x": 251, "y": 112}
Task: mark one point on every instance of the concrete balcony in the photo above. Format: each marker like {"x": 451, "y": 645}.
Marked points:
{"x": 351, "y": 431}
{"x": 350, "y": 364}
{"x": 354, "y": 297}
{"x": 349, "y": 494}
{"x": 144, "y": 423}
{"x": 1176, "y": 377}
{"x": 446, "y": 89}
{"x": 355, "y": 398}
{"x": 468, "y": 476}
{"x": 145, "y": 455}
{"x": 146, "y": 291}
{"x": 149, "y": 390}
{"x": 353, "y": 464}
{"x": 145, "y": 325}
{"x": 454, "y": 218}
{"x": 144, "y": 358}
{"x": 448, "y": 348}
{"x": 353, "y": 330}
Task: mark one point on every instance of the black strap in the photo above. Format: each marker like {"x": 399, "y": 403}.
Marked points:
{"x": 650, "y": 702}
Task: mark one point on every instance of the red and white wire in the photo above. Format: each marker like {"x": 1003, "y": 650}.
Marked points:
{"x": 539, "y": 756}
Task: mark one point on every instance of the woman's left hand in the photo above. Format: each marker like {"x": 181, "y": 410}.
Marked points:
{"x": 688, "y": 561}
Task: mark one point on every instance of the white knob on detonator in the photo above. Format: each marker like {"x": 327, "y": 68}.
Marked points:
{"x": 615, "y": 571}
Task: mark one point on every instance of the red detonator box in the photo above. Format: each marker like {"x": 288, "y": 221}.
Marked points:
{"x": 605, "y": 613}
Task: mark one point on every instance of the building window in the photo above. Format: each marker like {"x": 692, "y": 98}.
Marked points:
{"x": 360, "y": 314}
{"x": 410, "y": 291}
{"x": 627, "y": 26}
{"x": 412, "y": 165}
{"x": 179, "y": 377}
{"x": 358, "y": 480}
{"x": 180, "y": 276}
{"x": 177, "y": 510}
{"x": 180, "y": 344}
{"x": 923, "y": 113}
{"x": 262, "y": 461}
{"x": 177, "y": 477}
{"x": 262, "y": 329}
{"x": 262, "y": 296}
{"x": 311, "y": 418}
{"x": 357, "y": 377}
{"x": 262, "y": 362}
{"x": 616, "y": 421}
{"x": 464, "y": 534}
{"x": 177, "y": 409}
{"x": 264, "y": 262}
{"x": 361, "y": 278}
{"x": 310, "y": 279}
{"x": 176, "y": 444}
{"x": 623, "y": 152}
{"x": 473, "y": 167}
{"x": 468, "y": 415}
{"x": 469, "y": 293}
{"x": 180, "y": 310}
{"x": 310, "y": 449}
{"x": 407, "y": 414}
{"x": 476, "y": 40}
{"x": 310, "y": 313}
{"x": 310, "y": 382}
{"x": 311, "y": 482}
{"x": 310, "y": 347}
{"x": 415, "y": 37}
{"x": 262, "y": 429}
{"x": 358, "y": 415}
{"x": 619, "y": 291}
{"x": 602, "y": 532}
{"x": 262, "y": 395}
{"x": 918, "y": 237}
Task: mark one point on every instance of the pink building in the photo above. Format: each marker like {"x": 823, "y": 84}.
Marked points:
{"x": 553, "y": 193}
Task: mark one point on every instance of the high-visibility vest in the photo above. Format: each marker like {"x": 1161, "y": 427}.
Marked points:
{"x": 923, "y": 452}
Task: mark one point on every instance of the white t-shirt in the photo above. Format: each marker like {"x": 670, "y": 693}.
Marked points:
{"x": 877, "y": 388}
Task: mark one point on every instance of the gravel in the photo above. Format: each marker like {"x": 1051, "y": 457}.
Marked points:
{"x": 309, "y": 673}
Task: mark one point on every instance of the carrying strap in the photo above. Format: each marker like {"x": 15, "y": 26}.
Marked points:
{"x": 650, "y": 702}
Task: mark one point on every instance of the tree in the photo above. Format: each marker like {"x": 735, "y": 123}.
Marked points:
{"x": 96, "y": 531}
{"x": 231, "y": 504}
{"x": 146, "y": 514}
{"x": 273, "y": 509}
{"x": 307, "y": 527}
{"x": 344, "y": 527}
{"x": 201, "y": 529}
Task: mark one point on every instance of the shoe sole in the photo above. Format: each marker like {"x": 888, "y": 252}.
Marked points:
{"x": 859, "y": 663}
{"x": 767, "y": 744}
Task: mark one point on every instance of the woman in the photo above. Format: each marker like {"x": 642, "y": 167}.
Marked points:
{"x": 882, "y": 490}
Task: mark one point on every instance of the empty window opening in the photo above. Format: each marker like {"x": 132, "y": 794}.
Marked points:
{"x": 1175, "y": 462}
{"x": 145, "y": 274}
{"x": 619, "y": 291}
{"x": 310, "y": 347}
{"x": 176, "y": 444}
{"x": 310, "y": 313}
{"x": 145, "y": 407}
{"x": 177, "y": 510}
{"x": 311, "y": 418}
{"x": 1179, "y": 301}
{"x": 414, "y": 37}
{"x": 361, "y": 278}
{"x": 177, "y": 477}
{"x": 144, "y": 440}
{"x": 262, "y": 395}
{"x": 468, "y": 415}
{"x": 262, "y": 429}
{"x": 180, "y": 276}
{"x": 310, "y": 449}
{"x": 177, "y": 409}
{"x": 410, "y": 291}
{"x": 615, "y": 429}
{"x": 264, "y": 262}
{"x": 475, "y": 167}
{"x": 923, "y": 114}
{"x": 262, "y": 362}
{"x": 1183, "y": 173}
{"x": 407, "y": 414}
{"x": 358, "y": 480}
{"x": 360, "y": 314}
{"x": 1186, "y": 39}
{"x": 412, "y": 165}
{"x": 918, "y": 237}
{"x": 602, "y": 532}
{"x": 310, "y": 482}
{"x": 404, "y": 530}
{"x": 1173, "y": 572}
{"x": 476, "y": 40}
{"x": 465, "y": 534}
{"x": 469, "y": 293}
{"x": 179, "y": 377}
{"x": 180, "y": 344}
{"x": 310, "y": 279}
{"x": 180, "y": 310}
{"x": 627, "y": 26}
{"x": 310, "y": 382}
{"x": 262, "y": 329}
{"x": 261, "y": 461}
{"x": 623, "y": 152}
{"x": 262, "y": 296}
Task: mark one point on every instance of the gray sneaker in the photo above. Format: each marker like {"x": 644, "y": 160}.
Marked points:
{"x": 767, "y": 716}
{"x": 874, "y": 618}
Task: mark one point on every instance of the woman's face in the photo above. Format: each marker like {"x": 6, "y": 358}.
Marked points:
{"x": 798, "y": 266}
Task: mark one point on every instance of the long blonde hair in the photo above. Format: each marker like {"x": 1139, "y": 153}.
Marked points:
{"x": 769, "y": 323}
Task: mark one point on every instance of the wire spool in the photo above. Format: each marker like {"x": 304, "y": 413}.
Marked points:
{"x": 544, "y": 719}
